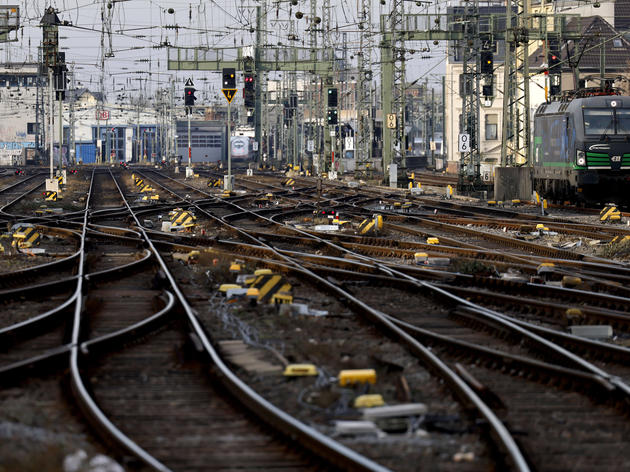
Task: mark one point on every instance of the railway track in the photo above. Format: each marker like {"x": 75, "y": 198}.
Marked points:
{"x": 111, "y": 321}
{"x": 477, "y": 355}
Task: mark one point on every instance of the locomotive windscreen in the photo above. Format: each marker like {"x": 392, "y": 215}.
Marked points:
{"x": 606, "y": 121}
{"x": 598, "y": 121}
{"x": 623, "y": 121}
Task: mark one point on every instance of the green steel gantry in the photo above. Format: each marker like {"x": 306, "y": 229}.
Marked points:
{"x": 519, "y": 33}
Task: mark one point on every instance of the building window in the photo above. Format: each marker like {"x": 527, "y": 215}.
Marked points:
{"x": 491, "y": 127}
{"x": 617, "y": 43}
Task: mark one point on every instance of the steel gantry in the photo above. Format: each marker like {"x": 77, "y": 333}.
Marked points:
{"x": 393, "y": 85}
{"x": 363, "y": 153}
{"x": 518, "y": 33}
{"x": 516, "y": 117}
{"x": 261, "y": 60}
{"x": 470, "y": 162}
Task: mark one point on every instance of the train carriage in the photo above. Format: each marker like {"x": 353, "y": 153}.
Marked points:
{"x": 242, "y": 147}
{"x": 582, "y": 149}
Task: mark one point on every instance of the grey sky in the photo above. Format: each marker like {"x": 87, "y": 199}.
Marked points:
{"x": 137, "y": 30}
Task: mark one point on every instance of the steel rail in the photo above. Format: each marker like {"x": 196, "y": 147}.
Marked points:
{"x": 329, "y": 448}
{"x": 86, "y": 402}
{"x": 558, "y": 350}
{"x": 502, "y": 435}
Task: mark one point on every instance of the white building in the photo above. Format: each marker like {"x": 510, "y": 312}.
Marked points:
{"x": 18, "y": 104}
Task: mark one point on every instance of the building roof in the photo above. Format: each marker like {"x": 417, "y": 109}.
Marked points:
{"x": 622, "y": 15}
{"x": 594, "y": 31}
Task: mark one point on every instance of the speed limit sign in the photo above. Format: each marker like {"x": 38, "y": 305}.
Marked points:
{"x": 464, "y": 142}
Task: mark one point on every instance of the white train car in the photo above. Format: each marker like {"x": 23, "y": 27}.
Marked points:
{"x": 241, "y": 146}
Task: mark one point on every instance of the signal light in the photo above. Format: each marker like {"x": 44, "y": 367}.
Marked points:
{"x": 249, "y": 81}
{"x": 554, "y": 61}
{"x": 332, "y": 97}
{"x": 189, "y": 96}
{"x": 487, "y": 62}
{"x": 229, "y": 78}
{"x": 249, "y": 93}
{"x": 332, "y": 117}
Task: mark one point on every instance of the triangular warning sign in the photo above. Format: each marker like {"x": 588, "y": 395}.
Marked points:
{"x": 188, "y": 82}
{"x": 229, "y": 94}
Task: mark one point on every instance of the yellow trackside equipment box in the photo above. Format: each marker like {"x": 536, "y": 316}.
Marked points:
{"x": 368, "y": 401}
{"x": 300, "y": 370}
{"x": 354, "y": 376}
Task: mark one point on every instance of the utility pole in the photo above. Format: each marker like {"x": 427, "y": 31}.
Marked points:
{"x": 39, "y": 108}
{"x": 71, "y": 144}
{"x": 470, "y": 160}
{"x": 432, "y": 142}
{"x": 363, "y": 145}
{"x": 328, "y": 162}
{"x": 393, "y": 81}
{"x": 516, "y": 122}
{"x": 172, "y": 124}
{"x": 50, "y": 45}
{"x": 261, "y": 21}
{"x": 60, "y": 88}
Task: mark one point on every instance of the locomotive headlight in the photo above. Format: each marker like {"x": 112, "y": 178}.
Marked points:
{"x": 580, "y": 158}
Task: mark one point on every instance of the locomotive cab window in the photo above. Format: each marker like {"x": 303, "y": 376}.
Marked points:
{"x": 598, "y": 121}
{"x": 623, "y": 121}
{"x": 607, "y": 121}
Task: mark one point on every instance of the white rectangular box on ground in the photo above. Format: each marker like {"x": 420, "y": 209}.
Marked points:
{"x": 52, "y": 185}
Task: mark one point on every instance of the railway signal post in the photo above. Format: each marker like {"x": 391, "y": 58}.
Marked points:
{"x": 50, "y": 43}
{"x": 229, "y": 91}
{"x": 189, "y": 102}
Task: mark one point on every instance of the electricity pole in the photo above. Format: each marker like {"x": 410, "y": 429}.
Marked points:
{"x": 50, "y": 45}
{"x": 364, "y": 106}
